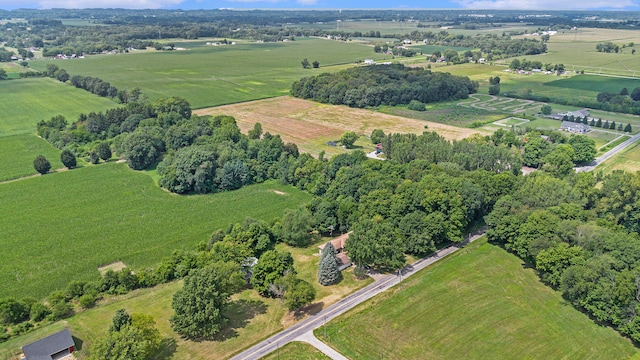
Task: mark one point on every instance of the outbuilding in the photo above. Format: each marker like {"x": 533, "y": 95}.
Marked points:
{"x": 53, "y": 347}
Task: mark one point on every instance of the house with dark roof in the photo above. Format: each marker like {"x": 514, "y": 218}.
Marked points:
{"x": 338, "y": 243}
{"x": 53, "y": 347}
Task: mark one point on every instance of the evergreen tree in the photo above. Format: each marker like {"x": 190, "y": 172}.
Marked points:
{"x": 593, "y": 122}
{"x": 612, "y": 126}
{"x": 605, "y": 125}
{"x": 599, "y": 123}
{"x": 627, "y": 128}
{"x": 328, "y": 273}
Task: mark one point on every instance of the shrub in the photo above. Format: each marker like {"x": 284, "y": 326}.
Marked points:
{"x": 68, "y": 159}
{"x": 41, "y": 164}
{"x": 39, "y": 312}
{"x": 416, "y": 105}
{"x": 87, "y": 301}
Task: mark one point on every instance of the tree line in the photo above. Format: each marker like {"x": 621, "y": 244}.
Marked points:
{"x": 376, "y": 85}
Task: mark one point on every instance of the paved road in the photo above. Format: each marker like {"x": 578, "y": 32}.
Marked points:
{"x": 599, "y": 160}
{"x": 272, "y": 343}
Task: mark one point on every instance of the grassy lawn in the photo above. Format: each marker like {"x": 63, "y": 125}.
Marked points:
{"x": 447, "y": 113}
{"x": 17, "y": 153}
{"x": 68, "y": 224}
{"x": 27, "y": 101}
{"x": 480, "y": 303}
{"x": 627, "y": 160}
{"x": 297, "y": 351}
{"x": 215, "y": 75}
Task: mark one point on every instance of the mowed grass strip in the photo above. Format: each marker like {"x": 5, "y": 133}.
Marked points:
{"x": 216, "y": 75}
{"x": 63, "y": 226}
{"x": 481, "y": 303}
{"x": 18, "y": 152}
{"x": 27, "y": 101}
{"x": 297, "y": 351}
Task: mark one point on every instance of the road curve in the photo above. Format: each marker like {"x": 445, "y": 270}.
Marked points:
{"x": 290, "y": 334}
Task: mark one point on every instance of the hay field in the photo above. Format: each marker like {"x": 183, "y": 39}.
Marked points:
{"x": 310, "y": 125}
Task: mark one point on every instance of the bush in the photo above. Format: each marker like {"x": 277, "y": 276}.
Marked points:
{"x": 68, "y": 159}
{"x": 21, "y": 328}
{"x": 416, "y": 105}
{"x": 360, "y": 272}
{"x": 41, "y": 164}
{"x": 39, "y": 312}
{"x": 87, "y": 301}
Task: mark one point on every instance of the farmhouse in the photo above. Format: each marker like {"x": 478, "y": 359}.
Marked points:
{"x": 338, "y": 243}
{"x": 582, "y": 113}
{"x": 53, "y": 347}
{"x": 576, "y": 128}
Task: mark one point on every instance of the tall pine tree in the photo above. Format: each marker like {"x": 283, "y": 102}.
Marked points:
{"x": 328, "y": 273}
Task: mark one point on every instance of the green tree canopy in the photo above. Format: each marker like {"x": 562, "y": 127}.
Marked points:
{"x": 348, "y": 139}
{"x": 68, "y": 159}
{"x": 41, "y": 164}
{"x": 199, "y": 305}
{"x": 271, "y": 266}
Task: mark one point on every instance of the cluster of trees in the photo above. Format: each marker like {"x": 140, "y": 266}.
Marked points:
{"x": 524, "y": 64}
{"x": 582, "y": 239}
{"x": 133, "y": 337}
{"x": 305, "y": 64}
{"x": 555, "y": 153}
{"x": 383, "y": 85}
{"x": 607, "y": 47}
{"x": 598, "y": 123}
{"x": 623, "y": 101}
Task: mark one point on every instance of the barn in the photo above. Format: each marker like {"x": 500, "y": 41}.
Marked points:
{"x": 53, "y": 347}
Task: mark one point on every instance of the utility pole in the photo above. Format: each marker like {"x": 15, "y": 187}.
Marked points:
{"x": 325, "y": 326}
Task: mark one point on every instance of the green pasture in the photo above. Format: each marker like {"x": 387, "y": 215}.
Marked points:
{"x": 17, "y": 153}
{"x": 384, "y": 27}
{"x": 576, "y": 49}
{"x": 63, "y": 226}
{"x": 27, "y": 101}
{"x": 430, "y": 49}
{"x": 595, "y": 83}
{"x": 449, "y": 113}
{"x": 476, "y": 72}
{"x": 627, "y": 160}
{"x": 481, "y": 303}
{"x": 215, "y": 75}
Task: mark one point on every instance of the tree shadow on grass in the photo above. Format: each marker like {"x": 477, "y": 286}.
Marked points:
{"x": 168, "y": 347}
{"x": 239, "y": 313}
{"x": 310, "y": 310}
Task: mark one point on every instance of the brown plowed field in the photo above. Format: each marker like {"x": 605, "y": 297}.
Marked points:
{"x": 310, "y": 125}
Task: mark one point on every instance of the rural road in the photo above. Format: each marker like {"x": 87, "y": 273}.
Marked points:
{"x": 298, "y": 330}
{"x": 599, "y": 160}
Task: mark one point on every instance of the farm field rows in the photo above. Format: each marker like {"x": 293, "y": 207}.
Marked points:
{"x": 481, "y": 303}
{"x": 216, "y": 75}
{"x": 27, "y": 101}
{"x": 310, "y": 125}
{"x": 17, "y": 153}
{"x": 67, "y": 224}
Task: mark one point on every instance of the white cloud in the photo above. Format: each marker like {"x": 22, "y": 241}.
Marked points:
{"x": 83, "y": 4}
{"x": 547, "y": 4}
{"x": 307, "y": 2}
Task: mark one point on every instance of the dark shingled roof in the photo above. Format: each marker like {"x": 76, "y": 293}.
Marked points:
{"x": 44, "y": 348}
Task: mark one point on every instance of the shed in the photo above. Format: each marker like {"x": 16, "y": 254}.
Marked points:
{"x": 53, "y": 347}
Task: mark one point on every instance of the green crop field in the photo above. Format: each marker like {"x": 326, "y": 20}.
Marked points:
{"x": 449, "y": 113}
{"x": 594, "y": 83}
{"x": 17, "y": 153}
{"x": 27, "y": 101}
{"x": 430, "y": 49}
{"x": 61, "y": 227}
{"x": 215, "y": 75}
{"x": 481, "y": 303}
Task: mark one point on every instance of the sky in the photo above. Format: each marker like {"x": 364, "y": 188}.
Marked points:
{"x": 327, "y": 4}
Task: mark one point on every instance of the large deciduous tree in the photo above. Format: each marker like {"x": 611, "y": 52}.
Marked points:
{"x": 376, "y": 242}
{"x": 584, "y": 149}
{"x": 104, "y": 151}
{"x": 296, "y": 227}
{"x": 190, "y": 169}
{"x": 348, "y": 139}
{"x": 143, "y": 146}
{"x": 200, "y": 304}
{"x": 131, "y": 337}
{"x": 271, "y": 266}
